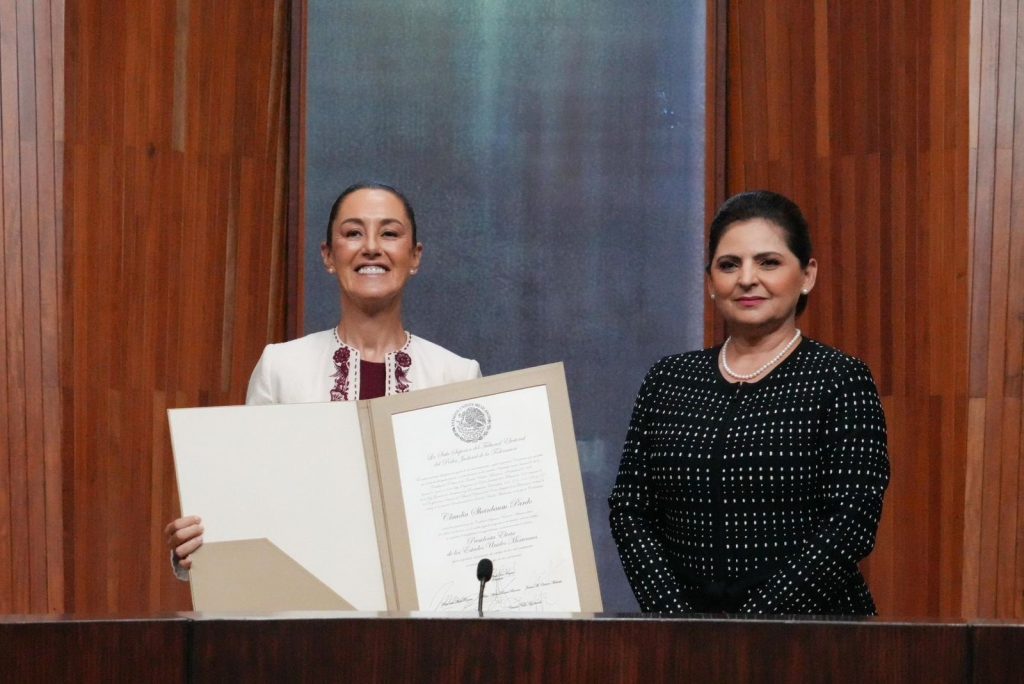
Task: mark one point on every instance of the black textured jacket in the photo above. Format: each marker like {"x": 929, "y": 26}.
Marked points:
{"x": 758, "y": 497}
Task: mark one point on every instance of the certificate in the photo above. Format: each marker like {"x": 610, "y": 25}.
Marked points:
{"x": 480, "y": 480}
{"x": 486, "y": 469}
{"x": 389, "y": 504}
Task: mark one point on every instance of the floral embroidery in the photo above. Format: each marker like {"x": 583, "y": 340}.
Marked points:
{"x": 346, "y": 365}
{"x": 402, "y": 363}
{"x": 341, "y": 363}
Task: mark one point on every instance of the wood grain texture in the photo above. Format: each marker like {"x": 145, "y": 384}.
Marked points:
{"x": 330, "y": 647}
{"x": 715, "y": 126}
{"x": 176, "y": 207}
{"x": 997, "y": 653}
{"x": 578, "y": 650}
{"x": 993, "y": 582}
{"x": 31, "y": 474}
{"x": 97, "y": 650}
{"x": 859, "y": 112}
{"x": 296, "y": 243}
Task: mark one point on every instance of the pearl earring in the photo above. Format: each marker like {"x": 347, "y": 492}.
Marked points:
{"x": 805, "y": 291}
{"x": 712, "y": 295}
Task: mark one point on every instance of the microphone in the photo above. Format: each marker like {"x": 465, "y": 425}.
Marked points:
{"x": 484, "y": 569}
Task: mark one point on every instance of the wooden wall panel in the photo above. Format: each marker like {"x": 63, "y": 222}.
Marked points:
{"x": 31, "y": 134}
{"x": 993, "y": 583}
{"x": 858, "y": 111}
{"x": 175, "y": 206}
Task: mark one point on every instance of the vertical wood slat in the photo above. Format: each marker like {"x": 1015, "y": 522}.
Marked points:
{"x": 993, "y": 582}
{"x": 1015, "y": 317}
{"x": 49, "y": 58}
{"x": 31, "y": 476}
{"x": 296, "y": 178}
{"x": 715, "y": 120}
{"x": 9, "y": 204}
{"x": 176, "y": 207}
{"x": 874, "y": 156}
{"x": 31, "y": 322}
{"x": 981, "y": 186}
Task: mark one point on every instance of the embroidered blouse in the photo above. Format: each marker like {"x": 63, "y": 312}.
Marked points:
{"x": 348, "y": 366}
{"x": 319, "y": 367}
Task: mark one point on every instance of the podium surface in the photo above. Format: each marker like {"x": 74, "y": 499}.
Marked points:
{"x": 365, "y": 647}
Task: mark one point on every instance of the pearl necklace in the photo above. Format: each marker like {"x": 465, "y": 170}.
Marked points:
{"x": 762, "y": 369}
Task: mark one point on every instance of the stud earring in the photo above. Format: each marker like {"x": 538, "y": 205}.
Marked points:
{"x": 712, "y": 294}
{"x": 805, "y": 291}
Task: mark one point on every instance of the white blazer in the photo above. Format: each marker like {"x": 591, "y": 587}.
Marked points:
{"x": 304, "y": 370}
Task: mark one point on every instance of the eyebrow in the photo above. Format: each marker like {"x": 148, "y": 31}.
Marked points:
{"x": 384, "y": 221}
{"x": 759, "y": 255}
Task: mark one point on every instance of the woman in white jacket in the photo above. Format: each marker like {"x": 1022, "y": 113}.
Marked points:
{"x": 372, "y": 250}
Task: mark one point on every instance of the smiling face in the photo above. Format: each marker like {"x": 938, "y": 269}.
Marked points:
{"x": 371, "y": 252}
{"x": 755, "y": 278}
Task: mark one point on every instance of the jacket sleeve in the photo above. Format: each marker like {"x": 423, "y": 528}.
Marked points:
{"x": 260, "y": 384}
{"x": 473, "y": 370}
{"x": 855, "y": 473}
{"x": 633, "y": 518}
{"x": 179, "y": 572}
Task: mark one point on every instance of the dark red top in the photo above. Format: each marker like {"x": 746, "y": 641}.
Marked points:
{"x": 372, "y": 379}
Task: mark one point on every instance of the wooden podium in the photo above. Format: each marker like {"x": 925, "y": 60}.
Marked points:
{"x": 433, "y": 648}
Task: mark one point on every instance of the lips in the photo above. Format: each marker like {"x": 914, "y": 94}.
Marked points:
{"x": 750, "y": 301}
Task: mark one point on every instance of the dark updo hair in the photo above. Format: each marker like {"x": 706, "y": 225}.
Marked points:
{"x": 370, "y": 185}
{"x": 772, "y": 207}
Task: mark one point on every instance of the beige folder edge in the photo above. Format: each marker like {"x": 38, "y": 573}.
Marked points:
{"x": 256, "y": 575}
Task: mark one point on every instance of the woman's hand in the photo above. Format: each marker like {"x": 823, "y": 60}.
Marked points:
{"x": 184, "y": 536}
